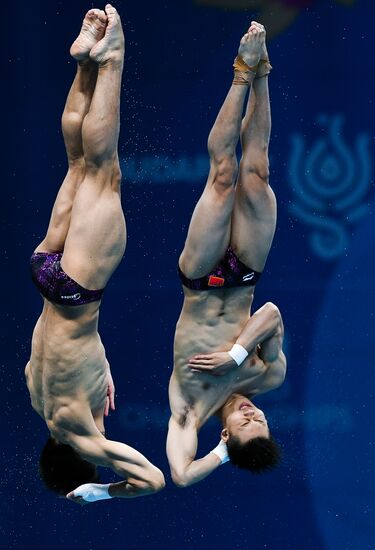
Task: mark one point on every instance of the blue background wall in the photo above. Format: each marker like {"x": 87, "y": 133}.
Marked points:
{"x": 319, "y": 272}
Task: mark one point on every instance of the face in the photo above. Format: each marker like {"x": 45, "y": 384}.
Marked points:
{"x": 242, "y": 419}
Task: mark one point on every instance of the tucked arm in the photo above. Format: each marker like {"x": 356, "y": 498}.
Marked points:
{"x": 182, "y": 443}
{"x": 264, "y": 332}
{"x": 142, "y": 477}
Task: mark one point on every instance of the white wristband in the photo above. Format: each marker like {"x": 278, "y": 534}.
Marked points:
{"x": 221, "y": 452}
{"x": 91, "y": 492}
{"x": 238, "y": 353}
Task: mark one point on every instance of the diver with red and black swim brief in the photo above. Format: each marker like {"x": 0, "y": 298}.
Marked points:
{"x": 223, "y": 356}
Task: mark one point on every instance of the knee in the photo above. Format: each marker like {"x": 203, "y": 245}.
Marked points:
{"x": 107, "y": 170}
{"x": 116, "y": 174}
{"x": 257, "y": 165}
{"x": 224, "y": 171}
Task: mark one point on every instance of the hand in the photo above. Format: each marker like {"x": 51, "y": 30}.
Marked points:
{"x": 217, "y": 364}
{"x": 110, "y": 400}
{"x": 89, "y": 492}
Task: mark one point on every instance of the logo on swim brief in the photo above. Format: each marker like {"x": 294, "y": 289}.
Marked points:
{"x": 248, "y": 277}
{"x": 72, "y": 296}
{"x": 215, "y": 281}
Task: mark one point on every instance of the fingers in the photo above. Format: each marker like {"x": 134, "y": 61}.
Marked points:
{"x": 208, "y": 369}
{"x": 78, "y": 500}
{"x": 112, "y": 398}
{"x": 197, "y": 361}
{"x": 204, "y": 357}
{"x": 200, "y": 368}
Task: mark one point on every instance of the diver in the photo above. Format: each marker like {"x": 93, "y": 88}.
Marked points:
{"x": 223, "y": 357}
{"x": 68, "y": 375}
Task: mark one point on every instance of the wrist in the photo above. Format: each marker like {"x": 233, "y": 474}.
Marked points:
{"x": 238, "y": 353}
{"x": 91, "y": 492}
{"x": 221, "y": 452}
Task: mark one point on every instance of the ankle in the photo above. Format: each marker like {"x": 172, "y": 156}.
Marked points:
{"x": 115, "y": 62}
{"x": 243, "y": 73}
{"x": 86, "y": 64}
{"x": 264, "y": 68}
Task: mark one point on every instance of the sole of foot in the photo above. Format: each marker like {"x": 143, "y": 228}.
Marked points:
{"x": 112, "y": 46}
{"x": 92, "y": 31}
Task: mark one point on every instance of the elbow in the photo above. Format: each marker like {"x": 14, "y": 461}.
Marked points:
{"x": 274, "y": 313}
{"x": 272, "y": 309}
{"x": 156, "y": 481}
{"x": 180, "y": 480}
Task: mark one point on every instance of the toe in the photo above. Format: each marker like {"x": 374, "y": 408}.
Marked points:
{"x": 102, "y": 16}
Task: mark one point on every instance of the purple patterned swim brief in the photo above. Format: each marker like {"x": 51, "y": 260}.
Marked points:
{"x": 55, "y": 285}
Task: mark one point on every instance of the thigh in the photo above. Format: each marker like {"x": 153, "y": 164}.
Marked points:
{"x": 254, "y": 220}
{"x": 96, "y": 239}
{"x": 209, "y": 231}
{"x": 58, "y": 227}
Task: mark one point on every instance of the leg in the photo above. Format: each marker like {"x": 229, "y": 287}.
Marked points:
{"x": 254, "y": 216}
{"x": 96, "y": 239}
{"x": 76, "y": 107}
{"x": 209, "y": 231}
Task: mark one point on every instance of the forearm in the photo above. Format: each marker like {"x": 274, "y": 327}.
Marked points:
{"x": 196, "y": 470}
{"x": 182, "y": 444}
{"x": 132, "y": 489}
{"x": 262, "y": 327}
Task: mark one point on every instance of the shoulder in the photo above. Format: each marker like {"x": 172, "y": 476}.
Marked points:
{"x": 274, "y": 375}
{"x": 73, "y": 423}
{"x": 177, "y": 402}
{"x": 276, "y": 372}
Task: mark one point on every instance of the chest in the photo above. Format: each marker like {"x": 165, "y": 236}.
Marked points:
{"x": 206, "y": 393}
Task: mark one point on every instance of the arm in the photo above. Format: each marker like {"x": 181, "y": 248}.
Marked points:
{"x": 182, "y": 443}
{"x": 142, "y": 478}
{"x": 263, "y": 331}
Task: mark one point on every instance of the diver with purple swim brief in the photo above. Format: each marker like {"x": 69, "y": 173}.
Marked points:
{"x": 68, "y": 375}
{"x": 55, "y": 285}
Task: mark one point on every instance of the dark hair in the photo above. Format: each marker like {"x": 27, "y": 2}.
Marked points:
{"x": 257, "y": 455}
{"x": 62, "y": 469}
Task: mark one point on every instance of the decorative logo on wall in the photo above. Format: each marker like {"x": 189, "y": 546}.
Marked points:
{"x": 330, "y": 181}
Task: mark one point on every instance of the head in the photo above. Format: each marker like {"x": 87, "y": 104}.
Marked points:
{"x": 62, "y": 469}
{"x": 247, "y": 436}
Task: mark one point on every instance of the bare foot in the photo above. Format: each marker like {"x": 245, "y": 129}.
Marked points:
{"x": 112, "y": 46}
{"x": 251, "y": 44}
{"x": 263, "y": 52}
{"x": 93, "y": 29}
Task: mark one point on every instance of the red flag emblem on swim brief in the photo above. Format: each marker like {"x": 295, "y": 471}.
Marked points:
{"x": 215, "y": 281}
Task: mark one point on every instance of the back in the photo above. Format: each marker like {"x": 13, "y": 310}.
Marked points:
{"x": 67, "y": 362}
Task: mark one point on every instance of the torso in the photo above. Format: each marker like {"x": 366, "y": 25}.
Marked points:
{"x": 67, "y": 367}
{"x": 211, "y": 321}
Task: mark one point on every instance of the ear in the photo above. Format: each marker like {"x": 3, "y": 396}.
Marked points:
{"x": 224, "y": 435}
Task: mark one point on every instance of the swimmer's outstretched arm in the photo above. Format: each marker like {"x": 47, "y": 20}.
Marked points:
{"x": 182, "y": 444}
{"x": 265, "y": 331}
{"x": 142, "y": 477}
